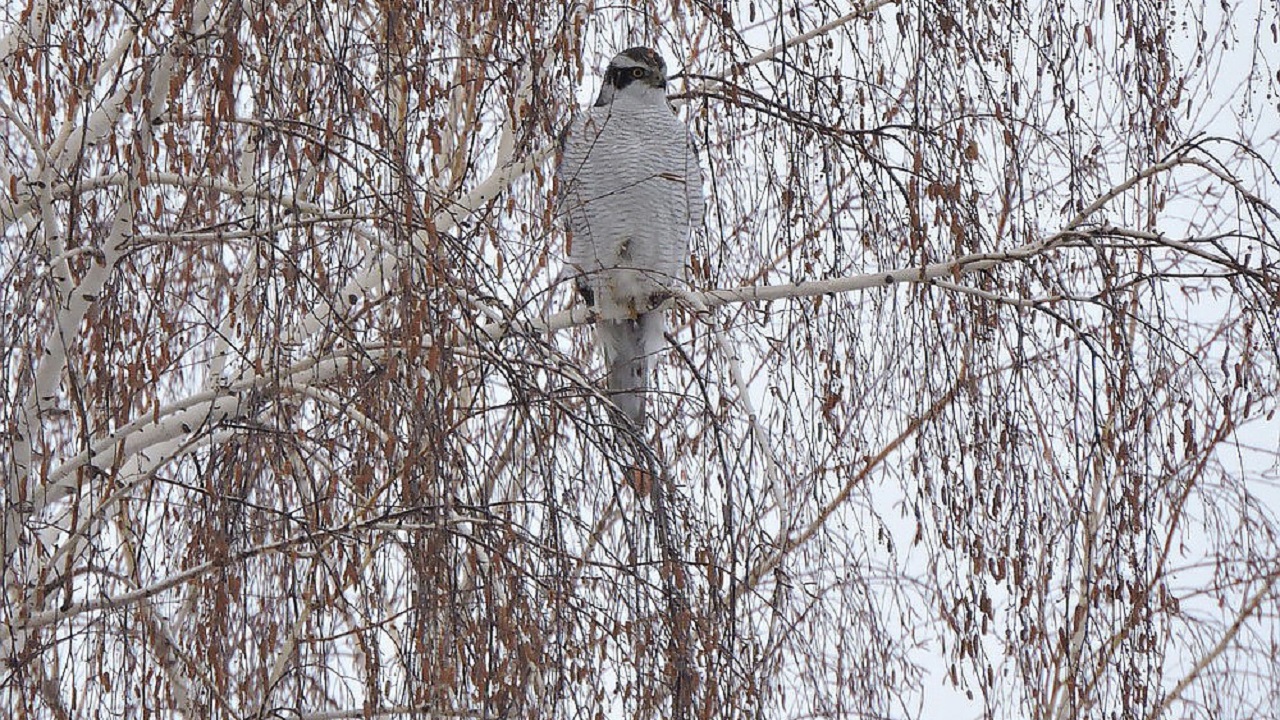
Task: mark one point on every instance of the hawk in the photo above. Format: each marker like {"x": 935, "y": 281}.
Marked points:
{"x": 631, "y": 193}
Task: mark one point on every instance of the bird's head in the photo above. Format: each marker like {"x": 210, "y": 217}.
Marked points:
{"x": 637, "y": 72}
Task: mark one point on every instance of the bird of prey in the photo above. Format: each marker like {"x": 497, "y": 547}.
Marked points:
{"x": 631, "y": 193}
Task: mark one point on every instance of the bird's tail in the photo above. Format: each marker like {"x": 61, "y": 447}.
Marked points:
{"x": 628, "y": 351}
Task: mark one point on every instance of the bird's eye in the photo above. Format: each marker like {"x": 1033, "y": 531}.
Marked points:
{"x": 637, "y": 73}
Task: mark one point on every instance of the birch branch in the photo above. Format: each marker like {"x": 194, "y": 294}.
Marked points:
{"x": 927, "y": 274}
{"x": 1250, "y": 607}
{"x": 144, "y": 446}
{"x": 121, "y": 179}
{"x": 795, "y": 41}
{"x": 30, "y": 33}
{"x": 758, "y": 433}
{"x": 74, "y": 304}
{"x": 322, "y": 536}
{"x": 791, "y": 544}
{"x": 126, "y": 599}
{"x": 369, "y": 281}
{"x": 159, "y": 637}
{"x": 72, "y": 139}
{"x": 199, "y": 410}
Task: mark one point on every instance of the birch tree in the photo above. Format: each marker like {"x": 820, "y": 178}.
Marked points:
{"x": 968, "y": 405}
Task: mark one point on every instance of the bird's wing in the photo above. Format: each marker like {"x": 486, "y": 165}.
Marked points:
{"x": 576, "y": 169}
{"x": 696, "y": 201}
{"x": 573, "y": 154}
